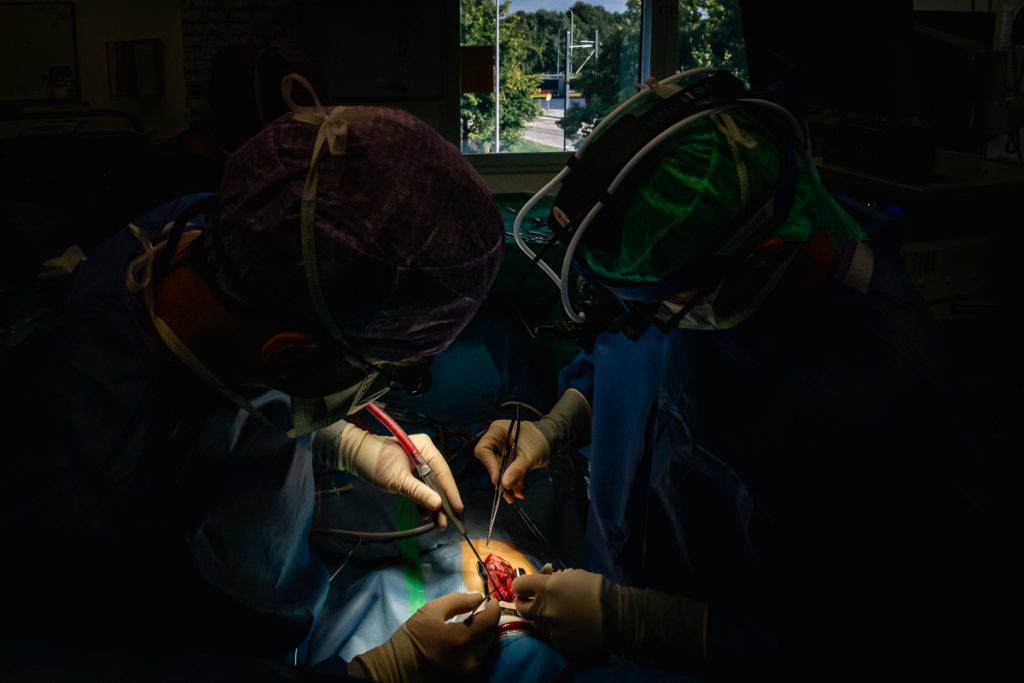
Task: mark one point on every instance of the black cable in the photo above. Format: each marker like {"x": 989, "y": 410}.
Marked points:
{"x": 334, "y": 490}
{"x": 512, "y": 403}
{"x": 522, "y": 282}
{"x": 1018, "y": 70}
{"x": 375, "y": 536}
{"x": 1013, "y": 142}
{"x": 532, "y": 528}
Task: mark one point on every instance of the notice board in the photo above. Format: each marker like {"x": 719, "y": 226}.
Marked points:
{"x": 38, "y": 55}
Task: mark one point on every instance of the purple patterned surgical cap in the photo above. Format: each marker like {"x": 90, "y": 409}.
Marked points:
{"x": 408, "y": 239}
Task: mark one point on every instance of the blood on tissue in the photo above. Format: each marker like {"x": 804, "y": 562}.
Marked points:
{"x": 502, "y": 575}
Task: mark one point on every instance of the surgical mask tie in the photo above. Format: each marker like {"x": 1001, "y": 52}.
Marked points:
{"x": 334, "y": 131}
{"x": 167, "y": 335}
{"x": 702, "y": 316}
{"x": 308, "y": 415}
{"x": 736, "y": 138}
{"x": 312, "y": 414}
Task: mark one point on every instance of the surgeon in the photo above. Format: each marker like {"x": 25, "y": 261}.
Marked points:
{"x": 783, "y": 482}
{"x": 159, "y": 494}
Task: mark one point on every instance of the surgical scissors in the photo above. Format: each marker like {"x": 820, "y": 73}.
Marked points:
{"x": 508, "y": 452}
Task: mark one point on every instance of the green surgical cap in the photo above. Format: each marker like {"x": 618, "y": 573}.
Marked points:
{"x": 675, "y": 203}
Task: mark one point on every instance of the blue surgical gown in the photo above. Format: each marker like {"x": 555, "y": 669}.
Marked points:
{"x": 805, "y": 472}
{"x": 142, "y": 509}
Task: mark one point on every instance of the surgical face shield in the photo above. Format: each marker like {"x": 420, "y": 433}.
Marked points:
{"x": 311, "y": 414}
{"x": 729, "y": 303}
{"x": 634, "y": 131}
{"x": 415, "y": 378}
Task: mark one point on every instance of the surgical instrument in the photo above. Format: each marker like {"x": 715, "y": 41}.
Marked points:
{"x": 507, "y": 453}
{"x": 423, "y": 470}
{"x": 537, "y": 534}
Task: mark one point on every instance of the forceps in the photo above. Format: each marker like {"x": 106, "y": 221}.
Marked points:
{"x": 508, "y": 452}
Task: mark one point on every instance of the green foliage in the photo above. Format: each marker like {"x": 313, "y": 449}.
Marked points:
{"x": 532, "y": 44}
{"x": 612, "y": 77}
{"x": 523, "y": 146}
{"x": 517, "y": 84}
{"x": 711, "y": 34}
{"x": 545, "y": 35}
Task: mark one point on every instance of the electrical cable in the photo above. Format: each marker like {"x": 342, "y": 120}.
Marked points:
{"x": 536, "y": 260}
{"x": 1013, "y": 144}
{"x": 375, "y": 536}
{"x": 532, "y": 528}
{"x": 512, "y": 403}
{"x": 1016, "y": 72}
{"x": 335, "y": 490}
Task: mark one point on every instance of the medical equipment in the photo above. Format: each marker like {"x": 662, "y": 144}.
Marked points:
{"x": 423, "y": 470}
{"x": 507, "y": 454}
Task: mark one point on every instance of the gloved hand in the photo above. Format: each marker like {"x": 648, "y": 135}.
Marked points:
{"x": 566, "y": 608}
{"x": 567, "y": 421}
{"x": 425, "y": 648}
{"x": 585, "y": 615}
{"x": 382, "y": 462}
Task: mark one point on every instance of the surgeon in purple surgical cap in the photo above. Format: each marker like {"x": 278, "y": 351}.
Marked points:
{"x": 206, "y": 358}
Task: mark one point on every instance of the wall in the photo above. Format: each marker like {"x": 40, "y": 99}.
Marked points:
{"x": 98, "y": 21}
{"x": 212, "y": 25}
{"x": 1007, "y": 146}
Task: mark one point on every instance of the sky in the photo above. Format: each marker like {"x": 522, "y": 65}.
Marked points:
{"x": 531, "y": 5}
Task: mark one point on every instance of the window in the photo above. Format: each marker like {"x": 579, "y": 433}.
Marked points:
{"x": 711, "y": 34}
{"x": 598, "y": 49}
{"x": 558, "y": 66}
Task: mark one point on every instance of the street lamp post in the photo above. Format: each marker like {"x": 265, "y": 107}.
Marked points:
{"x": 568, "y": 71}
{"x": 497, "y": 76}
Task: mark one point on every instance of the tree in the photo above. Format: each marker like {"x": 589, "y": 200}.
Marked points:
{"x": 517, "y": 84}
{"x": 711, "y": 34}
{"x": 545, "y": 35}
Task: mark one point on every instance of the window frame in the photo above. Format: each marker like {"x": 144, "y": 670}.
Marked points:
{"x": 659, "y": 20}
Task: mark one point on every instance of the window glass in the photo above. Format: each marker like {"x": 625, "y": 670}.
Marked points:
{"x": 711, "y": 34}
{"x": 538, "y": 42}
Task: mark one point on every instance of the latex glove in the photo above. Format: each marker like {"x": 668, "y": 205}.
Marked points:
{"x": 382, "y": 462}
{"x": 565, "y": 607}
{"x": 562, "y": 426}
{"x": 585, "y": 615}
{"x": 425, "y": 648}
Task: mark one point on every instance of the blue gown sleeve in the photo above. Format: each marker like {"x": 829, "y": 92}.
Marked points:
{"x": 579, "y": 375}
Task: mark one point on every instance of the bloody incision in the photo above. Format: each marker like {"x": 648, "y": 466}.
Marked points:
{"x": 502, "y": 575}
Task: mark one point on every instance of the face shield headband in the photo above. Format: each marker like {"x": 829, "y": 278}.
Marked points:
{"x": 641, "y": 305}
{"x": 634, "y": 138}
